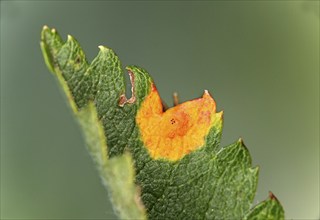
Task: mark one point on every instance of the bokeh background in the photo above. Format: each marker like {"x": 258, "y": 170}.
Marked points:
{"x": 259, "y": 59}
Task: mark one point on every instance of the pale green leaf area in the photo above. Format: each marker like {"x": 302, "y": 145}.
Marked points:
{"x": 117, "y": 173}
{"x": 212, "y": 182}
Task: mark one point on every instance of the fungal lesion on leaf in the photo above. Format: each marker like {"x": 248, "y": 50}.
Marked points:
{"x": 172, "y": 133}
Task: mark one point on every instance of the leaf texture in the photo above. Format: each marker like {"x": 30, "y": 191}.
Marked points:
{"x": 205, "y": 182}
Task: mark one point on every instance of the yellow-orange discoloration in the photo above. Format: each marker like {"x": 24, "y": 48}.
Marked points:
{"x": 177, "y": 131}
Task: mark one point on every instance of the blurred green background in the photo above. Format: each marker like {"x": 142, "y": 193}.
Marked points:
{"x": 260, "y": 61}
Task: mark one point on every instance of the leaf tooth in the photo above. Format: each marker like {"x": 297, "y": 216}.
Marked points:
{"x": 240, "y": 141}
{"x": 272, "y": 196}
{"x": 50, "y": 45}
{"x": 45, "y": 27}
{"x": 69, "y": 38}
{"x": 208, "y": 96}
{"x": 270, "y": 208}
{"x": 206, "y": 93}
{"x": 219, "y": 120}
{"x": 220, "y": 114}
{"x": 103, "y": 48}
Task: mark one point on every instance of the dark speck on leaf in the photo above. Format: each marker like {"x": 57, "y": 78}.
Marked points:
{"x": 77, "y": 60}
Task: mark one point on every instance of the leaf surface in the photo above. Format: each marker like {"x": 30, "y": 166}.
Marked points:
{"x": 117, "y": 173}
{"x": 168, "y": 163}
{"x": 269, "y": 209}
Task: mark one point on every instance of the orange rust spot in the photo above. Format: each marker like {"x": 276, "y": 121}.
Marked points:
{"x": 177, "y": 131}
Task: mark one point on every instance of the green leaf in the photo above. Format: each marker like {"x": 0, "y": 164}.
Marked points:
{"x": 269, "y": 209}
{"x": 117, "y": 173}
{"x": 155, "y": 164}
{"x": 118, "y": 176}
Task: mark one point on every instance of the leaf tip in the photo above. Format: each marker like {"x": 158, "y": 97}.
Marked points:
{"x": 44, "y": 48}
{"x": 70, "y": 38}
{"x": 240, "y": 141}
{"x": 46, "y": 30}
{"x": 272, "y": 196}
{"x": 206, "y": 94}
{"x": 220, "y": 114}
{"x": 45, "y": 27}
{"x": 103, "y": 48}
